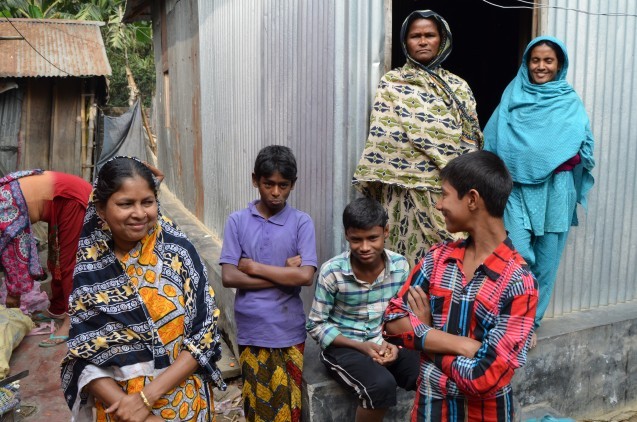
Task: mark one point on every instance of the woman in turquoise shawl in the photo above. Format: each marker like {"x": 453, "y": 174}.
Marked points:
{"x": 423, "y": 116}
{"x": 542, "y": 132}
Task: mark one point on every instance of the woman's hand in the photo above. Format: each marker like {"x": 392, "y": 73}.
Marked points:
{"x": 156, "y": 172}
{"x": 130, "y": 408}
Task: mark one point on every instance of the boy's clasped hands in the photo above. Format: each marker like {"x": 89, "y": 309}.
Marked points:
{"x": 383, "y": 354}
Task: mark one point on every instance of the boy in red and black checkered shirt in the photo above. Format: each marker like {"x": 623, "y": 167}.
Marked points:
{"x": 469, "y": 305}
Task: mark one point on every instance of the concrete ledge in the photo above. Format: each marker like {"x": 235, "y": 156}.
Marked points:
{"x": 585, "y": 363}
{"x": 325, "y": 400}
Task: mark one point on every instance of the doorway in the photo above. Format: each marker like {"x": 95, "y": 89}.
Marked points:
{"x": 488, "y": 43}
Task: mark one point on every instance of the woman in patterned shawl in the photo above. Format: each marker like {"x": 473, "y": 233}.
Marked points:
{"x": 143, "y": 341}
{"x": 423, "y": 116}
{"x": 541, "y": 131}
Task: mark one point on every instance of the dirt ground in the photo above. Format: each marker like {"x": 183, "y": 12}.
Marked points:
{"x": 228, "y": 404}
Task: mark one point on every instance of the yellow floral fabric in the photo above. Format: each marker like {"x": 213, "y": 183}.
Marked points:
{"x": 416, "y": 128}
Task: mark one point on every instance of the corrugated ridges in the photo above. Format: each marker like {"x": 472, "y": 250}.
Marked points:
{"x": 66, "y": 48}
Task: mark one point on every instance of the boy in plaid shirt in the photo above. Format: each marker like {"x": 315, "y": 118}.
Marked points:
{"x": 352, "y": 292}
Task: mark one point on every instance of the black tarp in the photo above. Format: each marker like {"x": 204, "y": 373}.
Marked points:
{"x": 125, "y": 135}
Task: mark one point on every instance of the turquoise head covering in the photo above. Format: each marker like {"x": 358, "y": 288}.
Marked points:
{"x": 446, "y": 40}
{"x": 537, "y": 127}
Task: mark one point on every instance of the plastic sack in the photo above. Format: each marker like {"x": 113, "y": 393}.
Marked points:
{"x": 31, "y": 302}
{"x": 14, "y": 325}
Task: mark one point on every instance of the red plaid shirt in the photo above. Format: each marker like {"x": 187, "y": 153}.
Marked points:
{"x": 496, "y": 307}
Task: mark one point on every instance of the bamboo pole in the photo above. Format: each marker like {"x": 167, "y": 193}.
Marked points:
{"x": 151, "y": 139}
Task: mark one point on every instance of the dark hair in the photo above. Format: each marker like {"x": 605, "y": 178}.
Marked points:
{"x": 486, "y": 173}
{"x": 553, "y": 46}
{"x": 114, "y": 172}
{"x": 275, "y": 158}
{"x": 364, "y": 213}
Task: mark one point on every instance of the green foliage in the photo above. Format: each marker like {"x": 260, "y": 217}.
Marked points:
{"x": 38, "y": 9}
{"x": 142, "y": 65}
{"x": 126, "y": 44}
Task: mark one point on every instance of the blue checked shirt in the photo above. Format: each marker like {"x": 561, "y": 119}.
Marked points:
{"x": 350, "y": 307}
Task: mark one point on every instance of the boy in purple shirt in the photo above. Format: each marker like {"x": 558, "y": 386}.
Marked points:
{"x": 268, "y": 253}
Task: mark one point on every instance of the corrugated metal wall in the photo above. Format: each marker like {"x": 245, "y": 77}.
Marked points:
{"x": 303, "y": 73}
{"x": 598, "y": 265}
{"x": 177, "y": 76}
{"x": 297, "y": 73}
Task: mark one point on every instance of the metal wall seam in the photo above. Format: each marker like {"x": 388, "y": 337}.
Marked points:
{"x": 359, "y": 53}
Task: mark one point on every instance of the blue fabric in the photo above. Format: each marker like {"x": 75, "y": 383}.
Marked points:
{"x": 545, "y": 207}
{"x": 545, "y": 121}
{"x": 534, "y": 129}
{"x": 543, "y": 255}
{"x": 537, "y": 127}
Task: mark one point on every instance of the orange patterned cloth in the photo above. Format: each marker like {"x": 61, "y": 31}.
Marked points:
{"x": 192, "y": 399}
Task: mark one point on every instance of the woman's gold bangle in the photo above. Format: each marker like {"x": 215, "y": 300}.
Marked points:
{"x": 145, "y": 400}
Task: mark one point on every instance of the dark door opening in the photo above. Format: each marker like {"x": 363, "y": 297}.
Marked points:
{"x": 488, "y": 43}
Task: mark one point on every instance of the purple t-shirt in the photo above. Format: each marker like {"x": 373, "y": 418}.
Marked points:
{"x": 271, "y": 317}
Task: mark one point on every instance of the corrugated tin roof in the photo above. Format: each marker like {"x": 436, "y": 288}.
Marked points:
{"x": 52, "y": 47}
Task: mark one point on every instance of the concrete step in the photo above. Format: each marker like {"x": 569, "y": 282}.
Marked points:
{"x": 325, "y": 400}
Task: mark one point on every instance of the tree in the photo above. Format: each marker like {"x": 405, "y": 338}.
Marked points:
{"x": 129, "y": 47}
{"x": 37, "y": 9}
{"x": 127, "y": 44}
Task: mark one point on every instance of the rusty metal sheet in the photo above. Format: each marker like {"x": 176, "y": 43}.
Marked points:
{"x": 52, "y": 47}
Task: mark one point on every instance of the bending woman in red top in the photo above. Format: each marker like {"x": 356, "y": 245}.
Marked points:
{"x": 60, "y": 200}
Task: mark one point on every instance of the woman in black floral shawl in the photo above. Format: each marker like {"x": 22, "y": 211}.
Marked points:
{"x": 143, "y": 341}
